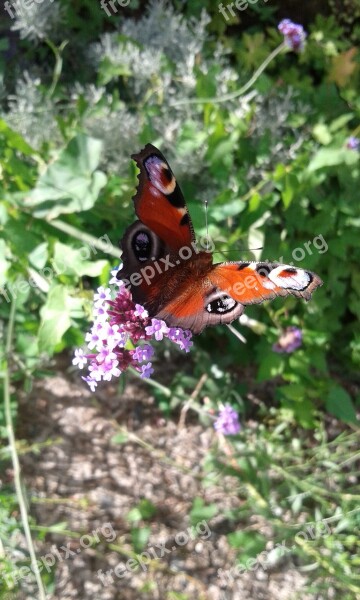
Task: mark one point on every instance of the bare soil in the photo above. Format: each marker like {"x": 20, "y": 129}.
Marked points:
{"x": 81, "y": 477}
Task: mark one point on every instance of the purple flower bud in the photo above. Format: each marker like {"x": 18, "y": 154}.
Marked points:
{"x": 289, "y": 340}
{"x": 227, "y": 421}
{"x": 353, "y": 143}
{"x": 293, "y": 33}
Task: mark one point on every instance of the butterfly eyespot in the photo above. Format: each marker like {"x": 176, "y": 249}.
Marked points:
{"x": 160, "y": 175}
{"x": 221, "y": 305}
{"x": 264, "y": 270}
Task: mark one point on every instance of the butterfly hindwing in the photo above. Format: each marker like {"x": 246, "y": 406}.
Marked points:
{"x": 199, "y": 306}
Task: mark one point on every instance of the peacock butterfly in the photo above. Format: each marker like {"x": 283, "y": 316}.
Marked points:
{"x": 175, "y": 279}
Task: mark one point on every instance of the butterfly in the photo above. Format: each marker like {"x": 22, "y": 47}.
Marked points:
{"x": 174, "y": 278}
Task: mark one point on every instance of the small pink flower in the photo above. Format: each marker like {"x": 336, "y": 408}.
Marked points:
{"x": 289, "y": 341}
{"x": 102, "y": 296}
{"x": 227, "y": 421}
{"x": 146, "y": 370}
{"x": 91, "y": 382}
{"x": 80, "y": 359}
{"x": 140, "y": 311}
{"x": 143, "y": 353}
{"x": 158, "y": 329}
{"x": 118, "y": 321}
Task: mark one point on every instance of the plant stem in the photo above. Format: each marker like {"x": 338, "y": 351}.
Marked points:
{"x": 58, "y": 63}
{"x": 242, "y": 90}
{"x": 85, "y": 237}
{"x": 15, "y": 458}
{"x": 152, "y": 382}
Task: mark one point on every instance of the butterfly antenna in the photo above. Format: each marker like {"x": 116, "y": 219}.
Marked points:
{"x": 206, "y": 225}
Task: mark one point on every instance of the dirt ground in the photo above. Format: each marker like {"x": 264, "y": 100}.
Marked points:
{"x": 88, "y": 482}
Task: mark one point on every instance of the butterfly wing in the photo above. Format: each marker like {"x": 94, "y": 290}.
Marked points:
{"x": 221, "y": 296}
{"x": 199, "y": 305}
{"x": 194, "y": 293}
{"x": 179, "y": 292}
{"x": 254, "y": 282}
{"x": 159, "y": 203}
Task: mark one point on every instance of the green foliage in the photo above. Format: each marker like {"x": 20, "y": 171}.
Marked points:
{"x": 281, "y": 185}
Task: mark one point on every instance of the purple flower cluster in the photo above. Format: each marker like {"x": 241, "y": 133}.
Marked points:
{"x": 117, "y": 336}
{"x": 353, "y": 143}
{"x": 289, "y": 340}
{"x": 293, "y": 33}
{"x": 227, "y": 421}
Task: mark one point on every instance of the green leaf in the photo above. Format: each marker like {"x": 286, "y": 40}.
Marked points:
{"x": 140, "y": 537}
{"x": 201, "y": 512}
{"x": 70, "y": 261}
{"x": 71, "y": 183}
{"x": 39, "y": 256}
{"x": 250, "y": 543}
{"x": 322, "y": 134}
{"x": 15, "y": 140}
{"x": 271, "y": 366}
{"x": 144, "y": 510}
{"x": 331, "y": 157}
{"x": 291, "y": 184}
{"x": 4, "y": 264}
{"x": 120, "y": 438}
{"x": 339, "y": 404}
{"x": 55, "y": 318}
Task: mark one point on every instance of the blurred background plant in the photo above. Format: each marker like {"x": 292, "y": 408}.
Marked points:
{"x": 81, "y": 91}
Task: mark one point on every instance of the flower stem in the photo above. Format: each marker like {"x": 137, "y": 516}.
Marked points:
{"x": 152, "y": 382}
{"x": 15, "y": 458}
{"x": 243, "y": 89}
{"x": 58, "y": 63}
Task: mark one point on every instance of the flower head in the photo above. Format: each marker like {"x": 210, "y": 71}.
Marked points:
{"x": 80, "y": 359}
{"x": 293, "y": 33}
{"x": 353, "y": 143}
{"x": 117, "y": 336}
{"x": 227, "y": 421}
{"x": 288, "y": 341}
